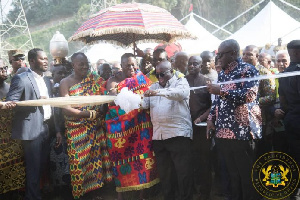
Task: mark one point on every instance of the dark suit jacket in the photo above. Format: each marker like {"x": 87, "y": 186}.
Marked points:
{"x": 27, "y": 123}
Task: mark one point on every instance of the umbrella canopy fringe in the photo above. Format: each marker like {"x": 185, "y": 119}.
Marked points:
{"x": 121, "y": 44}
{"x": 130, "y": 30}
{"x": 78, "y": 36}
{"x": 114, "y": 42}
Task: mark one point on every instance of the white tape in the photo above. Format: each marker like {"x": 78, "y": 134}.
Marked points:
{"x": 256, "y": 78}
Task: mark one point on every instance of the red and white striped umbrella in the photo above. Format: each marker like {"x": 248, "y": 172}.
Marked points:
{"x": 129, "y": 23}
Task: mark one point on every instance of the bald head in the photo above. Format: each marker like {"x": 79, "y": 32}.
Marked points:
{"x": 181, "y": 53}
{"x": 116, "y": 67}
{"x": 197, "y": 58}
{"x": 250, "y": 55}
{"x": 265, "y": 60}
{"x": 158, "y": 56}
{"x": 207, "y": 54}
{"x": 265, "y": 55}
{"x": 228, "y": 52}
{"x": 164, "y": 65}
{"x": 252, "y": 48}
{"x": 164, "y": 72}
{"x": 194, "y": 65}
{"x": 208, "y": 63}
{"x": 181, "y": 62}
{"x": 231, "y": 45}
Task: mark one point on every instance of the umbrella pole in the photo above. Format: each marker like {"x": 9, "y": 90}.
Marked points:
{"x": 134, "y": 46}
{"x": 134, "y": 49}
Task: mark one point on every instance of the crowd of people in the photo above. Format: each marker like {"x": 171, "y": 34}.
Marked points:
{"x": 187, "y": 142}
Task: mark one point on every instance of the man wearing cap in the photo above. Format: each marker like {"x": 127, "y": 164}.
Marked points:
{"x": 289, "y": 95}
{"x": 16, "y": 59}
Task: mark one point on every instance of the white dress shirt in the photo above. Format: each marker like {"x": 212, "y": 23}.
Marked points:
{"x": 170, "y": 115}
{"x": 43, "y": 92}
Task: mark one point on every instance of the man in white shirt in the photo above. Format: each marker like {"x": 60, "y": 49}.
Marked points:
{"x": 30, "y": 124}
{"x": 168, "y": 100}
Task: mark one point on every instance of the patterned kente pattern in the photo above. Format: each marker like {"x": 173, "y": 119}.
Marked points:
{"x": 12, "y": 169}
{"x": 87, "y": 150}
{"x": 130, "y": 142}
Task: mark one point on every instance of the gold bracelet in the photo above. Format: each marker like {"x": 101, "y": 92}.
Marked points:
{"x": 93, "y": 114}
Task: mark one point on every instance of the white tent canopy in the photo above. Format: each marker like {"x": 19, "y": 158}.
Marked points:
{"x": 205, "y": 41}
{"x": 293, "y": 35}
{"x": 267, "y": 26}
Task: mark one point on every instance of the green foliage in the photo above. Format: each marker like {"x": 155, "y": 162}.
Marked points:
{"x": 168, "y": 5}
{"x": 42, "y": 12}
{"x": 41, "y": 38}
{"x": 83, "y": 13}
{"x": 84, "y": 2}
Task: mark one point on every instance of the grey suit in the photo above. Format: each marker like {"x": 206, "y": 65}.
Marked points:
{"x": 28, "y": 125}
{"x": 28, "y": 121}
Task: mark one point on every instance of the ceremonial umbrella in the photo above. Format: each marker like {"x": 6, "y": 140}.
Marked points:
{"x": 131, "y": 23}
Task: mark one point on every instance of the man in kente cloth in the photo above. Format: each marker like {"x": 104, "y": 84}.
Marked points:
{"x": 88, "y": 155}
{"x": 130, "y": 134}
{"x": 11, "y": 151}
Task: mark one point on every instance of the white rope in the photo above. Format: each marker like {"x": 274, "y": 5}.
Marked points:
{"x": 213, "y": 24}
{"x": 186, "y": 17}
{"x": 237, "y": 17}
{"x": 256, "y": 78}
{"x": 191, "y": 14}
{"x": 80, "y": 50}
{"x": 286, "y": 34}
{"x": 289, "y": 4}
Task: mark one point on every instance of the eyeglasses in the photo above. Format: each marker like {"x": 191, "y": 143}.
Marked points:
{"x": 221, "y": 54}
{"x": 161, "y": 74}
{"x": 3, "y": 69}
{"x": 193, "y": 63}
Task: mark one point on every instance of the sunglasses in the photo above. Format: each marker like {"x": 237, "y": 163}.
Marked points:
{"x": 3, "y": 69}
{"x": 161, "y": 74}
{"x": 17, "y": 58}
{"x": 193, "y": 63}
{"x": 221, "y": 54}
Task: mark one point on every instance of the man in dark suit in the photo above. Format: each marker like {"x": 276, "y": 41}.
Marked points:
{"x": 30, "y": 124}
